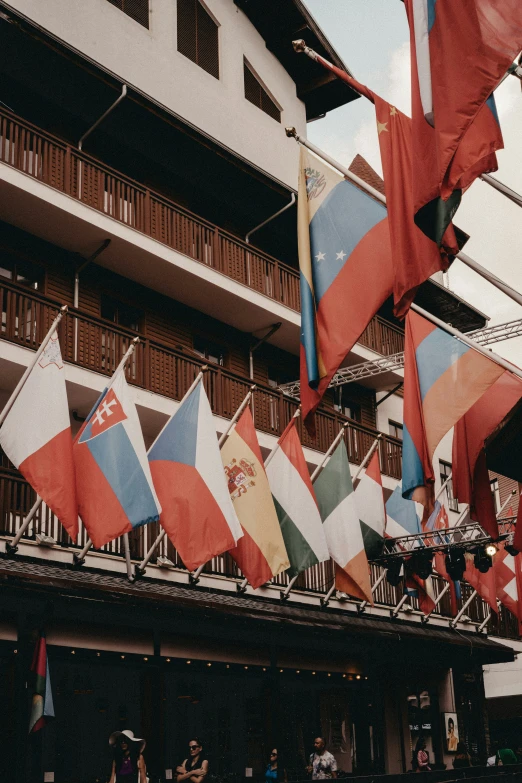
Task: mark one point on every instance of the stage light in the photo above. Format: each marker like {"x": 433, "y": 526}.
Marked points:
{"x": 456, "y": 563}
{"x": 491, "y": 550}
{"x": 482, "y": 559}
{"x": 393, "y": 572}
{"x": 511, "y": 550}
{"x": 421, "y": 564}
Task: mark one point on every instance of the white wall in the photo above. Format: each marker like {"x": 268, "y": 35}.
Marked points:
{"x": 504, "y": 679}
{"x": 149, "y": 60}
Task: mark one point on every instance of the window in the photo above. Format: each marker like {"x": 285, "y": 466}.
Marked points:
{"x": 136, "y": 9}
{"x": 445, "y": 472}
{"x": 198, "y": 36}
{"x": 22, "y": 272}
{"x": 495, "y": 491}
{"x": 257, "y": 94}
{"x": 344, "y": 405}
{"x": 396, "y": 429}
{"x": 209, "y": 350}
{"x": 120, "y": 313}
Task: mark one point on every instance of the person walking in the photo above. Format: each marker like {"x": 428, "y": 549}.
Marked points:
{"x": 322, "y": 763}
{"x": 128, "y": 765}
{"x": 195, "y": 767}
{"x": 421, "y": 760}
{"x": 462, "y": 757}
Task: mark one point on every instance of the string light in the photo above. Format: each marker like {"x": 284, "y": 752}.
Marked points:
{"x": 313, "y": 672}
{"x": 145, "y": 658}
{"x": 98, "y": 654}
{"x": 122, "y": 657}
{"x": 297, "y": 671}
{"x": 245, "y": 667}
{"x": 264, "y": 668}
{"x": 228, "y": 666}
{"x": 15, "y": 652}
{"x": 344, "y": 676}
{"x": 168, "y": 660}
{"x": 329, "y": 674}
{"x": 280, "y": 671}
{"x": 189, "y": 661}
{"x": 357, "y": 676}
{"x": 73, "y": 652}
{"x": 209, "y": 664}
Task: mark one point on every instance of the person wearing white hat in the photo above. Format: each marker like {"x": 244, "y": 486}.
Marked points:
{"x": 128, "y": 765}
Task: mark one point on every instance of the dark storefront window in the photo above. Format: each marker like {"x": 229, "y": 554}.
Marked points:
{"x": 423, "y": 722}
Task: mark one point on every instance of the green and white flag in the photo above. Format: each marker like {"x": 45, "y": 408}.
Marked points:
{"x": 336, "y": 499}
{"x": 372, "y": 512}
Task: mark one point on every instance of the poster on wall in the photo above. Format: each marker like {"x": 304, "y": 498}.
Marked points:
{"x": 452, "y": 731}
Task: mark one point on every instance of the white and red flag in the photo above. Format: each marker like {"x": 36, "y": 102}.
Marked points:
{"x": 36, "y": 436}
{"x": 508, "y": 578}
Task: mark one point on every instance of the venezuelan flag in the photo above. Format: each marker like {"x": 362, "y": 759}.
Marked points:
{"x": 443, "y": 378}
{"x": 346, "y": 271}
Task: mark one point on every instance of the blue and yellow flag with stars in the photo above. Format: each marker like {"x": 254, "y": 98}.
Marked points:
{"x": 346, "y": 272}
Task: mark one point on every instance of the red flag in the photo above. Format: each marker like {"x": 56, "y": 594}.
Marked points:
{"x": 484, "y": 584}
{"x": 508, "y": 577}
{"x": 517, "y": 541}
{"x": 459, "y": 53}
{"x": 418, "y": 588}
{"x": 415, "y": 257}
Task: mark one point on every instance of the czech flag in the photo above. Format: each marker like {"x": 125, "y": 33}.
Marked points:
{"x": 36, "y": 436}
{"x": 459, "y": 53}
{"x": 114, "y": 485}
{"x": 443, "y": 378}
{"x": 42, "y": 707}
{"x": 346, "y": 272}
{"x": 198, "y": 514}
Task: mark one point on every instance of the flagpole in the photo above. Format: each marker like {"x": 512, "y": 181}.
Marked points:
{"x": 334, "y": 443}
{"x": 367, "y": 457}
{"x": 79, "y": 559}
{"x": 436, "y": 602}
{"x": 140, "y": 569}
{"x": 362, "y": 607}
{"x": 300, "y": 46}
{"x": 11, "y": 547}
{"x": 470, "y": 262}
{"x": 241, "y": 586}
{"x": 126, "y": 547}
{"x": 18, "y": 388}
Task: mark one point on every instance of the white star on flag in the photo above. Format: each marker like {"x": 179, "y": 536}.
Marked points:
{"x": 320, "y": 256}
{"x": 340, "y": 256}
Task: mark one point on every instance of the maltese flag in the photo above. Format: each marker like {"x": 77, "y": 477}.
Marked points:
{"x": 36, "y": 436}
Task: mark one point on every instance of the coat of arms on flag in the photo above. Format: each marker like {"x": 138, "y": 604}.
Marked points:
{"x": 240, "y": 477}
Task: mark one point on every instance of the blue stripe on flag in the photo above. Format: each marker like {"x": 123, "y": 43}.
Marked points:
{"x": 177, "y": 442}
{"x": 403, "y": 512}
{"x": 431, "y": 14}
{"x": 308, "y": 332}
{"x": 493, "y": 107}
{"x": 434, "y": 355}
{"x": 115, "y": 456}
{"x": 343, "y": 219}
{"x": 412, "y": 472}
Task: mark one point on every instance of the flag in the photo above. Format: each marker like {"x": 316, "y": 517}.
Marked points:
{"x": 113, "y": 481}
{"x": 337, "y": 505}
{"x": 36, "y": 436}
{"x": 415, "y": 256}
{"x": 439, "y": 561}
{"x": 440, "y": 520}
{"x": 402, "y": 518}
{"x": 372, "y": 513}
{"x": 459, "y": 53}
{"x": 197, "y": 510}
{"x": 517, "y": 540}
{"x": 296, "y": 505}
{"x": 443, "y": 378}
{"x": 470, "y": 475}
{"x": 344, "y": 249}
{"x": 484, "y": 584}
{"x": 260, "y": 552}
{"x": 421, "y": 589}
{"x": 508, "y": 579}
{"x": 42, "y": 706}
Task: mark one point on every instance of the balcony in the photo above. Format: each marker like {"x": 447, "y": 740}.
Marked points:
{"x": 75, "y": 174}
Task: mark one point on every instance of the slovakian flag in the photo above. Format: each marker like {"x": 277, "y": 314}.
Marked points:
{"x": 402, "y": 518}
{"x": 470, "y": 474}
{"x": 337, "y": 504}
{"x": 197, "y": 511}
{"x": 459, "y": 53}
{"x": 42, "y": 707}
{"x": 260, "y": 552}
{"x": 344, "y": 250}
{"x": 372, "y": 512}
{"x": 36, "y": 436}
{"x": 114, "y": 485}
{"x": 508, "y": 578}
{"x": 415, "y": 256}
{"x": 484, "y": 584}
{"x": 443, "y": 378}
{"x": 296, "y": 505}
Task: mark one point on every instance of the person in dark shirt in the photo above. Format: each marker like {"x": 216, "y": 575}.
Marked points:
{"x": 128, "y": 764}
{"x": 462, "y": 757}
{"x": 195, "y": 767}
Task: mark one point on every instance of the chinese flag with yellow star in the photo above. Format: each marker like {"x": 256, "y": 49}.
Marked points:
{"x": 415, "y": 256}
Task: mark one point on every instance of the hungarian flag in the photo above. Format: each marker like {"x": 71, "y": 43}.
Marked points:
{"x": 113, "y": 481}
{"x": 372, "y": 512}
{"x": 197, "y": 511}
{"x": 36, "y": 436}
{"x": 402, "y": 518}
{"x": 415, "y": 256}
{"x": 484, "y": 584}
{"x": 42, "y": 707}
{"x": 344, "y": 249}
{"x": 260, "y": 552}
{"x": 336, "y": 500}
{"x": 470, "y": 473}
{"x": 443, "y": 378}
{"x": 296, "y": 504}
{"x": 508, "y": 578}
{"x": 459, "y": 53}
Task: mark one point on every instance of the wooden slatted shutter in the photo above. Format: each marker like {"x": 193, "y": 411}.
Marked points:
{"x": 198, "y": 36}
{"x": 136, "y": 9}
{"x": 256, "y": 94}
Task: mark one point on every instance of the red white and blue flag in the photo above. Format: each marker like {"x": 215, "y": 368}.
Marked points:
{"x": 113, "y": 480}
{"x": 459, "y": 53}
{"x": 36, "y": 436}
{"x": 198, "y": 514}
{"x": 443, "y": 378}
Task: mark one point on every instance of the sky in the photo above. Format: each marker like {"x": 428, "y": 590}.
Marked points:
{"x": 372, "y": 38}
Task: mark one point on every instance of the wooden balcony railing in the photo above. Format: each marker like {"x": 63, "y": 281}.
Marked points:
{"x": 50, "y": 160}
{"x": 17, "y": 497}
{"x": 98, "y": 345}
